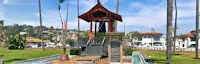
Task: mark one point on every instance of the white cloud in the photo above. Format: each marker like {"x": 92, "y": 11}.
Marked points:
{"x": 5, "y": 1}
{"x": 20, "y": 2}
{"x": 154, "y": 16}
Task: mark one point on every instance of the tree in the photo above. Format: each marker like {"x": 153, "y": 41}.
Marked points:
{"x": 41, "y": 27}
{"x": 175, "y": 26}
{"x": 169, "y": 30}
{"x": 182, "y": 36}
{"x": 136, "y": 35}
{"x": 16, "y": 42}
{"x": 78, "y": 18}
{"x": 197, "y": 28}
{"x": 64, "y": 40}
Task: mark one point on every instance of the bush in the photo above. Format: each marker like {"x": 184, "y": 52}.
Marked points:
{"x": 16, "y": 42}
{"x": 75, "y": 51}
{"x": 128, "y": 51}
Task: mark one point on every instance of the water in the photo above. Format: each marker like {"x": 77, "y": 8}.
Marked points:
{"x": 136, "y": 58}
{"x": 41, "y": 60}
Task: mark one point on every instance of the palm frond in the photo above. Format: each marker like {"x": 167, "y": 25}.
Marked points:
{"x": 61, "y": 1}
{"x": 59, "y": 7}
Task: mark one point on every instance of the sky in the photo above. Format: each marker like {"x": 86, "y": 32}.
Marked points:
{"x": 137, "y": 15}
{"x": 1, "y": 9}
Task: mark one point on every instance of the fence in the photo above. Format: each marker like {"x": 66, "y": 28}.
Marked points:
{"x": 177, "y": 49}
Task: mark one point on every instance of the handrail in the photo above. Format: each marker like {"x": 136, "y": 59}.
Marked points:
{"x": 103, "y": 40}
{"x": 89, "y": 41}
{"x": 142, "y": 59}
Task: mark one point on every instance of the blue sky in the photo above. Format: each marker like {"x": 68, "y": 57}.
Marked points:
{"x": 138, "y": 15}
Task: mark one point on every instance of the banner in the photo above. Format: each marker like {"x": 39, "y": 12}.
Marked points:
{"x": 64, "y": 25}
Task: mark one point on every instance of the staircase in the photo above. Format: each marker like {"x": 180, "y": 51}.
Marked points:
{"x": 115, "y": 54}
{"x": 94, "y": 50}
{"x": 115, "y": 51}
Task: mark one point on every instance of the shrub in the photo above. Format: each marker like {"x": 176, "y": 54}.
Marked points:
{"x": 75, "y": 51}
{"x": 16, "y": 42}
{"x": 128, "y": 51}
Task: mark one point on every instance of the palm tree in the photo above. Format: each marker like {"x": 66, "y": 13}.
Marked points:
{"x": 197, "y": 28}
{"x": 117, "y": 11}
{"x": 41, "y": 28}
{"x": 175, "y": 26}
{"x": 169, "y": 30}
{"x": 78, "y": 18}
{"x": 64, "y": 39}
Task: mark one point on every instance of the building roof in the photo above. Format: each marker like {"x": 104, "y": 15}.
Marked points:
{"x": 99, "y": 9}
{"x": 150, "y": 33}
{"x": 190, "y": 35}
{"x": 35, "y": 40}
{"x": 194, "y": 30}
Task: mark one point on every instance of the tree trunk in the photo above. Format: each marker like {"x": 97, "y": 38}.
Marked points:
{"x": 197, "y": 28}
{"x": 175, "y": 27}
{"x": 169, "y": 31}
{"x": 41, "y": 28}
{"x": 78, "y": 20}
{"x": 115, "y": 23}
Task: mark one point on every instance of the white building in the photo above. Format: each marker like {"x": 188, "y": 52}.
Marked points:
{"x": 150, "y": 39}
{"x": 188, "y": 42}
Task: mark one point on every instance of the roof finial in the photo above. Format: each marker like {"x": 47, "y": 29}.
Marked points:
{"x": 98, "y": 1}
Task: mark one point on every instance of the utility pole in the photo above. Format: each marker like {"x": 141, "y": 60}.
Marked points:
{"x": 197, "y": 28}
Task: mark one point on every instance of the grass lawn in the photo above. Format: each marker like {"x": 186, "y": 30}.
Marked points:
{"x": 1, "y": 52}
{"x": 19, "y": 55}
{"x": 178, "y": 58}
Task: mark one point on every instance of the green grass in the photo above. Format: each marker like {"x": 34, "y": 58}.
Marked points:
{"x": 178, "y": 58}
{"x": 1, "y": 52}
{"x": 20, "y": 55}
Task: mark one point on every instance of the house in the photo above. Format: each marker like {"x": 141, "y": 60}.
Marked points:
{"x": 190, "y": 39}
{"x": 149, "y": 39}
{"x": 34, "y": 42}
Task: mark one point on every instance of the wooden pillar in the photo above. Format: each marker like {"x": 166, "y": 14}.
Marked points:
{"x": 90, "y": 30}
{"x": 110, "y": 27}
{"x": 95, "y": 29}
{"x": 109, "y": 53}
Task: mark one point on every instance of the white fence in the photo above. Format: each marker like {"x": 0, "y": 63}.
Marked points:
{"x": 177, "y": 49}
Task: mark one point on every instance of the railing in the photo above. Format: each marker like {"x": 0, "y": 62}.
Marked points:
{"x": 157, "y": 48}
{"x": 89, "y": 41}
{"x": 88, "y": 44}
{"x": 140, "y": 57}
{"x": 103, "y": 41}
{"x": 142, "y": 60}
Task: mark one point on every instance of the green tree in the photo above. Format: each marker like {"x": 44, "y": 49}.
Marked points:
{"x": 16, "y": 42}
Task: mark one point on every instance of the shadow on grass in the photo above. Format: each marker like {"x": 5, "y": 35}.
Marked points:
{"x": 196, "y": 59}
{"x": 159, "y": 61}
{"x": 177, "y": 54}
{"x": 16, "y": 59}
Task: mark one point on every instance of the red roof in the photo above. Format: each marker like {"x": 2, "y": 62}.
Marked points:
{"x": 190, "y": 35}
{"x": 151, "y": 33}
{"x": 194, "y": 30}
{"x": 99, "y": 9}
